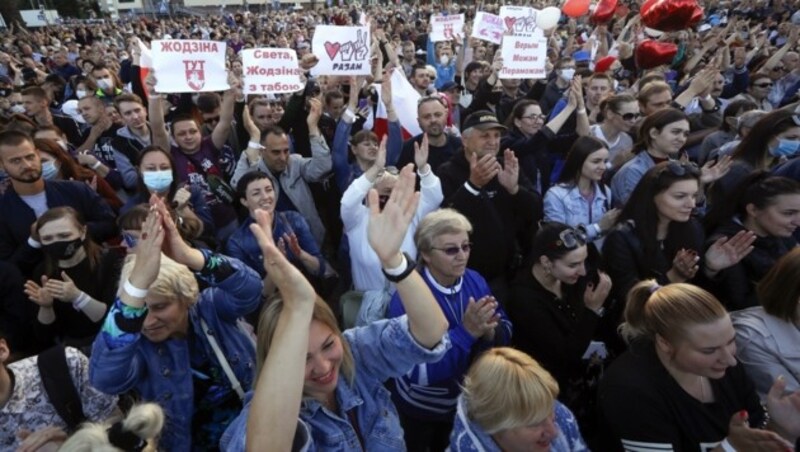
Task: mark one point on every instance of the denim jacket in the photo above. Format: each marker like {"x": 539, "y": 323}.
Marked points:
{"x": 565, "y": 204}
{"x": 467, "y": 436}
{"x": 623, "y": 183}
{"x": 381, "y": 350}
{"x": 162, "y": 372}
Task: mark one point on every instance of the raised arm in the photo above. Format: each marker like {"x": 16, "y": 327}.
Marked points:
{"x": 155, "y": 111}
{"x": 223, "y": 128}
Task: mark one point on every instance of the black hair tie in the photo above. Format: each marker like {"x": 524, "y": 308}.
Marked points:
{"x": 124, "y": 439}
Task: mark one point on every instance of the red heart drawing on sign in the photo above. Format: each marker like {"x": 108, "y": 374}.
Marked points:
{"x": 332, "y": 48}
{"x": 510, "y": 21}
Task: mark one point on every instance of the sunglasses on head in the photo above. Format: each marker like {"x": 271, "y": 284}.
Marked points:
{"x": 570, "y": 239}
{"x": 630, "y": 116}
{"x": 680, "y": 169}
{"x": 453, "y": 250}
{"x": 390, "y": 170}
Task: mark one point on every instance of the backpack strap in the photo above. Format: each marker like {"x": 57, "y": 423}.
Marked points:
{"x": 57, "y": 381}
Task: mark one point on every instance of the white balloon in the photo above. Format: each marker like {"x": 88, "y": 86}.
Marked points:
{"x": 548, "y": 18}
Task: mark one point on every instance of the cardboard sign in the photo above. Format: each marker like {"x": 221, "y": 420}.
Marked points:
{"x": 271, "y": 71}
{"x": 519, "y": 21}
{"x": 446, "y": 27}
{"x": 488, "y": 27}
{"x": 524, "y": 57}
{"x": 341, "y": 50}
{"x": 189, "y": 66}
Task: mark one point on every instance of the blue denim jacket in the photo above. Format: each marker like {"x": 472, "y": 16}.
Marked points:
{"x": 623, "y": 183}
{"x": 381, "y": 350}
{"x": 467, "y": 436}
{"x": 162, "y": 372}
{"x": 565, "y": 204}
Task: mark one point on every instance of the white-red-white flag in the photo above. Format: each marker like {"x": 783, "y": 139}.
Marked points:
{"x": 404, "y": 99}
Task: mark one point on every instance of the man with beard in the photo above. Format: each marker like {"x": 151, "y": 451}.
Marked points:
{"x": 97, "y": 152}
{"x": 30, "y": 196}
{"x": 432, "y": 118}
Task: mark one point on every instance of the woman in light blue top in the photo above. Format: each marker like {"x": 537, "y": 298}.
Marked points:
{"x": 580, "y": 199}
{"x": 333, "y": 381}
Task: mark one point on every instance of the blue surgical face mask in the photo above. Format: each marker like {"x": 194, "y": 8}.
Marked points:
{"x": 49, "y": 170}
{"x": 785, "y": 148}
{"x": 158, "y": 181}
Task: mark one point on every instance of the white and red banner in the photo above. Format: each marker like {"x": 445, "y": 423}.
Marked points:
{"x": 519, "y": 20}
{"x": 445, "y": 27}
{"x": 188, "y": 66}
{"x": 341, "y": 50}
{"x": 488, "y": 27}
{"x": 523, "y": 57}
{"x": 145, "y": 62}
{"x": 404, "y": 99}
{"x": 271, "y": 71}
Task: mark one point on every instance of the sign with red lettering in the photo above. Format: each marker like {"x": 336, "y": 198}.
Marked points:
{"x": 341, "y": 50}
{"x": 488, "y": 27}
{"x": 445, "y": 27}
{"x": 271, "y": 71}
{"x": 523, "y": 57}
{"x": 189, "y": 66}
{"x": 519, "y": 20}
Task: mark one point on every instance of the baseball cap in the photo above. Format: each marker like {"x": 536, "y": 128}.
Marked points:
{"x": 581, "y": 55}
{"x": 450, "y": 85}
{"x": 482, "y": 119}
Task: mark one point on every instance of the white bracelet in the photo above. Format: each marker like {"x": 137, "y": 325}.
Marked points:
{"x": 81, "y": 302}
{"x": 97, "y": 164}
{"x": 133, "y": 291}
{"x": 726, "y": 446}
{"x": 423, "y": 174}
{"x": 582, "y": 111}
{"x": 396, "y": 271}
{"x": 254, "y": 145}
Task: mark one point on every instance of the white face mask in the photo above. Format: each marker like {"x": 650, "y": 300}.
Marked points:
{"x": 81, "y": 93}
{"x": 104, "y": 83}
{"x": 17, "y": 109}
{"x": 444, "y": 59}
{"x": 567, "y": 74}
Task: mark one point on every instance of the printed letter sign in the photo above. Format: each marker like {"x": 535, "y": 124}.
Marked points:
{"x": 446, "y": 27}
{"x": 271, "y": 71}
{"x": 523, "y": 57}
{"x": 341, "y": 50}
{"x": 488, "y": 27}
{"x": 519, "y": 20}
{"x": 188, "y": 66}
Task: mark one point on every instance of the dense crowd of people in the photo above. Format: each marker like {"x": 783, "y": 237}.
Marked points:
{"x": 602, "y": 259}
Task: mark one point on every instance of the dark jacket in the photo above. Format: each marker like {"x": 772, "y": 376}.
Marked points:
{"x": 532, "y": 153}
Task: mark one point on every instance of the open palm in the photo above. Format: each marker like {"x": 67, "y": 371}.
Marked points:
{"x": 387, "y": 228}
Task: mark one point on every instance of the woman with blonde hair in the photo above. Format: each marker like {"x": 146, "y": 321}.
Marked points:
{"x": 136, "y": 433}
{"x": 509, "y": 403}
{"x": 679, "y": 387}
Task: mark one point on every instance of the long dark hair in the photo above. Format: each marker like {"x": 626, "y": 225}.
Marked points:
{"x": 580, "y": 150}
{"x": 93, "y": 251}
{"x": 657, "y": 121}
{"x": 754, "y": 148}
{"x": 142, "y": 191}
{"x": 518, "y": 112}
{"x": 641, "y": 209}
{"x": 759, "y": 189}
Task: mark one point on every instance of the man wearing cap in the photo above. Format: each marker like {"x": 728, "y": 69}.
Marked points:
{"x": 503, "y": 210}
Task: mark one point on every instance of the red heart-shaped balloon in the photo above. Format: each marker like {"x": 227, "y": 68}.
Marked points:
{"x": 650, "y": 54}
{"x": 604, "y": 11}
{"x": 575, "y": 8}
{"x": 697, "y": 16}
{"x": 668, "y": 15}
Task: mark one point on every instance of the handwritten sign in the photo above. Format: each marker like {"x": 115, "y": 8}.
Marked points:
{"x": 488, "y": 27}
{"x": 341, "y": 50}
{"x": 189, "y": 66}
{"x": 271, "y": 71}
{"x": 523, "y": 57}
{"x": 520, "y": 21}
{"x": 446, "y": 27}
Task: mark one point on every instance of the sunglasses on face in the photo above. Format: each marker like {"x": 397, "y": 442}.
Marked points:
{"x": 630, "y": 116}
{"x": 130, "y": 241}
{"x": 211, "y": 120}
{"x": 779, "y": 69}
{"x": 453, "y": 250}
{"x": 763, "y": 85}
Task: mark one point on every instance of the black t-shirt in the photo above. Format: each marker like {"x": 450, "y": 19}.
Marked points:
{"x": 644, "y": 408}
{"x": 437, "y": 155}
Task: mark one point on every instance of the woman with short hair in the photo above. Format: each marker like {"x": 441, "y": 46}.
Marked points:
{"x": 509, "y": 403}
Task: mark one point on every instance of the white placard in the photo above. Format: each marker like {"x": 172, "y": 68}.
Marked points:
{"x": 341, "y": 50}
{"x": 189, "y": 66}
{"x": 446, "y": 27}
{"x": 523, "y": 57}
{"x": 519, "y": 20}
{"x": 488, "y": 27}
{"x": 271, "y": 71}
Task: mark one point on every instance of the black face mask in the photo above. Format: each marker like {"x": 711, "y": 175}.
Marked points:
{"x": 494, "y": 97}
{"x": 63, "y": 250}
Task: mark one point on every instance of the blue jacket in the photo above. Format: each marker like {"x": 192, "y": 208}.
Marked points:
{"x": 381, "y": 350}
{"x": 243, "y": 245}
{"x": 345, "y": 172}
{"x": 444, "y": 73}
{"x": 467, "y": 436}
{"x": 430, "y": 390}
{"x": 565, "y": 204}
{"x": 626, "y": 179}
{"x": 162, "y": 372}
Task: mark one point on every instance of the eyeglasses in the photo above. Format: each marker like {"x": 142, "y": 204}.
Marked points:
{"x": 453, "y": 250}
{"x": 130, "y": 240}
{"x": 535, "y": 117}
{"x": 779, "y": 69}
{"x": 763, "y": 85}
{"x": 570, "y": 239}
{"x": 680, "y": 169}
{"x": 211, "y": 120}
{"x": 629, "y": 116}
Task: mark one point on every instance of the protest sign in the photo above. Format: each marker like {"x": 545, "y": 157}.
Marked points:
{"x": 341, "y": 50}
{"x": 519, "y": 20}
{"x": 271, "y": 71}
{"x": 523, "y": 57}
{"x": 446, "y": 27}
{"x": 488, "y": 27}
{"x": 188, "y": 66}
